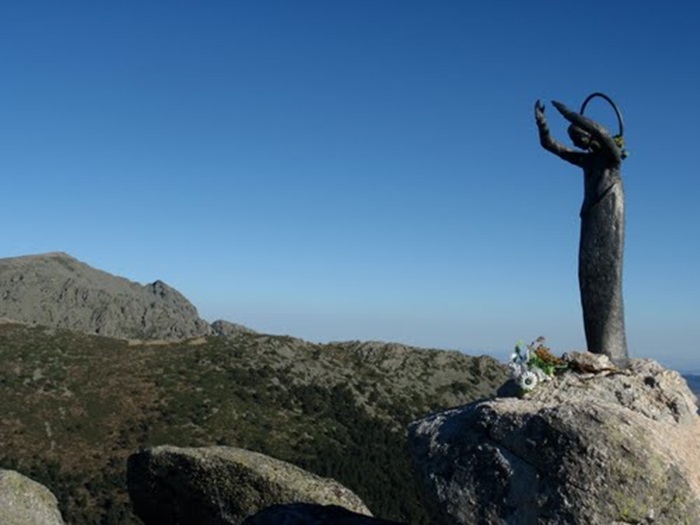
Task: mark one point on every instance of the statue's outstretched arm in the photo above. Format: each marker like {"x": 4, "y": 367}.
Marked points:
{"x": 597, "y": 131}
{"x": 551, "y": 145}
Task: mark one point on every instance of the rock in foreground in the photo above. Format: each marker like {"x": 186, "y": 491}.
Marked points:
{"x": 222, "y": 485}
{"x": 24, "y": 501}
{"x": 606, "y": 448}
{"x": 310, "y": 514}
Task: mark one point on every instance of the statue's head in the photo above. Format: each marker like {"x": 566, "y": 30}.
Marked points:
{"x": 581, "y": 138}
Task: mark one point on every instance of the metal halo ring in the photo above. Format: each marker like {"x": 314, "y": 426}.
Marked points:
{"x": 614, "y": 106}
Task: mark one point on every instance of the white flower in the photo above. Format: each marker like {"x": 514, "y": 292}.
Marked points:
{"x": 528, "y": 380}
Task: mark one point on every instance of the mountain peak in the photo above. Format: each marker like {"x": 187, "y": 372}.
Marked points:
{"x": 56, "y": 289}
{"x": 39, "y": 256}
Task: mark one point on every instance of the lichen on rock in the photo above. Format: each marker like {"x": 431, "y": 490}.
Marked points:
{"x": 23, "y": 501}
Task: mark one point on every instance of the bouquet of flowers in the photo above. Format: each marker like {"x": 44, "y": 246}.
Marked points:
{"x": 533, "y": 364}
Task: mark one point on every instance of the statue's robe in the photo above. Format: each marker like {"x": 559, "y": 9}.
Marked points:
{"x": 600, "y": 261}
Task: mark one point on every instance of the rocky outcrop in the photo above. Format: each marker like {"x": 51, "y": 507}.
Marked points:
{"x": 223, "y": 485}
{"x": 24, "y": 501}
{"x": 227, "y": 329}
{"x": 59, "y": 291}
{"x": 310, "y": 514}
{"x": 596, "y": 448}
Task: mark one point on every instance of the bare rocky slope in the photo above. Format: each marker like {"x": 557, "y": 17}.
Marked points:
{"x": 57, "y": 290}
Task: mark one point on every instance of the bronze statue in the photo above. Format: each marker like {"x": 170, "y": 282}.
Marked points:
{"x": 602, "y": 225}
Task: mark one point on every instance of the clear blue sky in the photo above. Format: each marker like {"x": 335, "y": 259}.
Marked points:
{"x": 358, "y": 169}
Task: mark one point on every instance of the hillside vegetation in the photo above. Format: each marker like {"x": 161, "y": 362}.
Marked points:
{"x": 75, "y": 406}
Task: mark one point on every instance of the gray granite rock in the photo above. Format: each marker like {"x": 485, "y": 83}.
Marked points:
{"x": 587, "y": 362}
{"x": 222, "y": 485}
{"x": 601, "y": 449}
{"x": 23, "y": 501}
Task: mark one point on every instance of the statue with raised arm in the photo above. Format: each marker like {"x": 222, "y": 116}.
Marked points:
{"x": 602, "y": 225}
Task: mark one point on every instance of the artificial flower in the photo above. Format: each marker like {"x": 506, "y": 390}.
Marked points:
{"x": 528, "y": 380}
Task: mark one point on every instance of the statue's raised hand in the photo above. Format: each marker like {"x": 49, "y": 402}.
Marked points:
{"x": 539, "y": 113}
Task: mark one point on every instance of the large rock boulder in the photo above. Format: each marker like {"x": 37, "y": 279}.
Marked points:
{"x": 24, "y": 501}
{"x": 596, "y": 448}
{"x": 222, "y": 485}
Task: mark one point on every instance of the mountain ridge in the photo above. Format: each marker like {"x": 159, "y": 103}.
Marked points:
{"x": 56, "y": 289}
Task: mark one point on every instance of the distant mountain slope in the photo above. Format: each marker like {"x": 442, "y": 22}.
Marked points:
{"x": 55, "y": 289}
